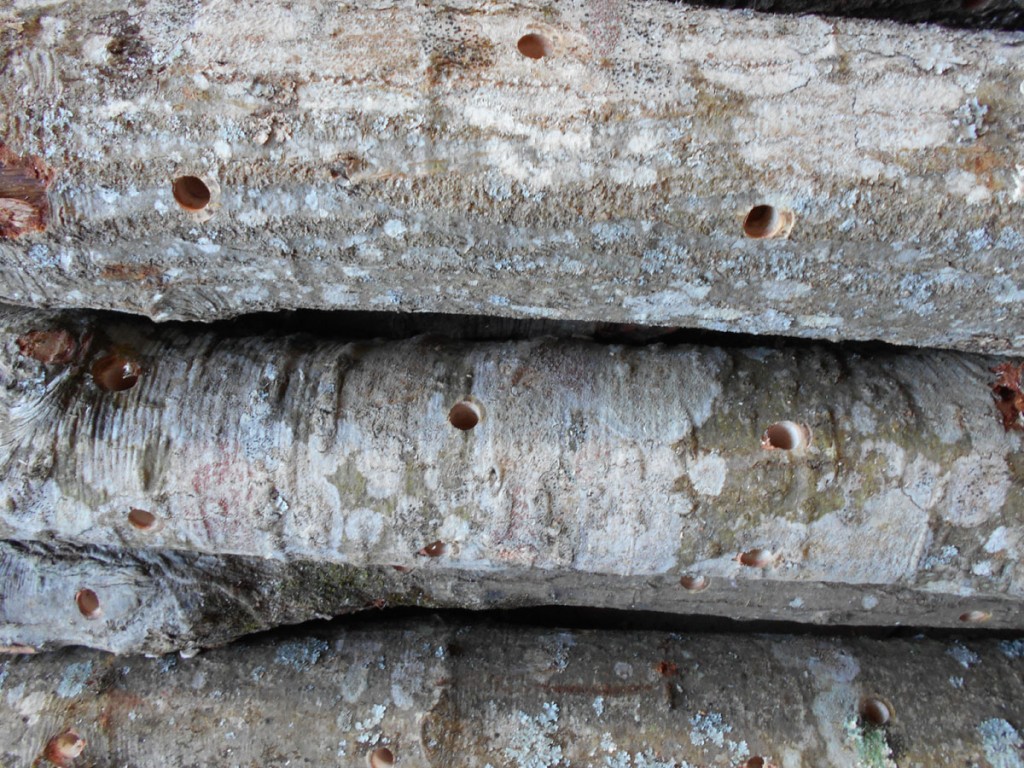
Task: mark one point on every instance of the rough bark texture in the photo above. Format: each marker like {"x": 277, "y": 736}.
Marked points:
{"x": 471, "y": 696}
{"x": 407, "y": 156}
{"x": 597, "y": 466}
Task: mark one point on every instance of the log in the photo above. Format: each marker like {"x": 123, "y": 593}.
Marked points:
{"x": 676, "y": 478}
{"x": 975, "y": 14}
{"x": 470, "y": 695}
{"x": 660, "y": 164}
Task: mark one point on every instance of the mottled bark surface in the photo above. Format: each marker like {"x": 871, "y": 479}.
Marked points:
{"x": 593, "y": 466}
{"x": 440, "y": 694}
{"x": 219, "y": 158}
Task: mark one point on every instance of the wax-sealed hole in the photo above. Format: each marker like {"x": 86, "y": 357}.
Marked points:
{"x": 464, "y": 415}
{"x": 48, "y": 347}
{"x": 116, "y": 373}
{"x": 754, "y": 762}
{"x": 535, "y": 46}
{"x": 382, "y": 758}
{"x": 88, "y": 603}
{"x": 974, "y": 5}
{"x": 785, "y": 436}
{"x": 434, "y": 549}
{"x": 64, "y": 747}
{"x": 143, "y": 520}
{"x": 191, "y": 193}
{"x": 875, "y": 712}
{"x": 756, "y": 558}
{"x": 975, "y": 617}
{"x": 694, "y": 582}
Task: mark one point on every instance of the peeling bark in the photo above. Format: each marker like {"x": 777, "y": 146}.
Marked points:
{"x": 865, "y": 478}
{"x": 471, "y": 695}
{"x": 223, "y": 158}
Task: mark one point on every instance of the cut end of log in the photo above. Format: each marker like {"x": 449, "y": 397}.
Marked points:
{"x": 24, "y": 207}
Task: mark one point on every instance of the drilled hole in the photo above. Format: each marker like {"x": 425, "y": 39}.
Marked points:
{"x": 785, "y": 436}
{"x": 434, "y": 549}
{"x": 754, "y": 762}
{"x": 88, "y": 603}
{"x": 694, "y": 583}
{"x": 464, "y": 415}
{"x": 875, "y": 712}
{"x": 765, "y": 221}
{"x": 756, "y": 558}
{"x": 191, "y": 193}
{"x": 535, "y": 46}
{"x": 382, "y": 758}
{"x": 143, "y": 520}
{"x": 64, "y": 747}
{"x": 115, "y": 373}
{"x": 975, "y": 617}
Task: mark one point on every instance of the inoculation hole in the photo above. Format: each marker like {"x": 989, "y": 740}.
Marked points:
{"x": 191, "y": 193}
{"x": 974, "y": 5}
{"x": 143, "y": 520}
{"x": 464, "y": 415}
{"x": 88, "y": 603}
{"x": 535, "y": 46}
{"x": 785, "y": 436}
{"x": 756, "y": 558}
{"x": 754, "y": 762}
{"x": 382, "y": 758}
{"x": 975, "y": 617}
{"x": 874, "y": 711}
{"x": 116, "y": 373}
{"x": 434, "y": 549}
{"x": 764, "y": 221}
{"x": 64, "y": 747}
{"x": 694, "y": 583}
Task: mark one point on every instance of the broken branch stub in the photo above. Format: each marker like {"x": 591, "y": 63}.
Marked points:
{"x": 852, "y": 481}
{"x": 528, "y": 160}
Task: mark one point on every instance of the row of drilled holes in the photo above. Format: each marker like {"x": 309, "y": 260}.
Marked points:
{"x": 465, "y": 415}
{"x": 762, "y": 222}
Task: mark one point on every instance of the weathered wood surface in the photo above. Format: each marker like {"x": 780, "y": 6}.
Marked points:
{"x": 407, "y": 156}
{"x": 440, "y": 694}
{"x": 590, "y": 462}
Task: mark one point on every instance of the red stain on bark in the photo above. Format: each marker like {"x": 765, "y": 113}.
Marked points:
{"x": 1008, "y": 395}
{"x": 24, "y": 206}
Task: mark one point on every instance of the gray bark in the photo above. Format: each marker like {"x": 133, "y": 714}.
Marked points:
{"x": 437, "y": 694}
{"x": 407, "y": 156}
{"x": 595, "y": 466}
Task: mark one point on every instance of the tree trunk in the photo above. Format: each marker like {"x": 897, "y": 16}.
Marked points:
{"x": 839, "y": 482}
{"x": 661, "y": 164}
{"x": 472, "y": 695}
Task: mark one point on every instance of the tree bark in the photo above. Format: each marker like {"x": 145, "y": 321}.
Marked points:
{"x": 202, "y": 161}
{"x": 472, "y": 695}
{"x": 599, "y": 466}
